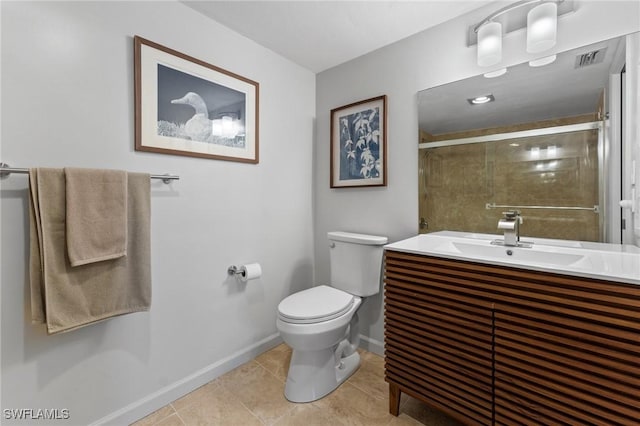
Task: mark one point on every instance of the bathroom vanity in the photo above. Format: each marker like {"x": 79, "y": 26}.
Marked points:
{"x": 503, "y": 336}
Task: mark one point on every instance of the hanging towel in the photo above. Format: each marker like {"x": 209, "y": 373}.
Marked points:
{"x": 96, "y": 215}
{"x": 66, "y": 297}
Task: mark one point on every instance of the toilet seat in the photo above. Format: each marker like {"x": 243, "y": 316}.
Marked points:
{"x": 317, "y": 304}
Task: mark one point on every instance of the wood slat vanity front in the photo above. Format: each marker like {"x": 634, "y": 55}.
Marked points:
{"x": 494, "y": 345}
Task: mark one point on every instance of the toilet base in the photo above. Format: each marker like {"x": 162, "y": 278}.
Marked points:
{"x": 314, "y": 374}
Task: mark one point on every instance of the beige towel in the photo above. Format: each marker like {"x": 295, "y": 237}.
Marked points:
{"x": 96, "y": 215}
{"x": 66, "y": 297}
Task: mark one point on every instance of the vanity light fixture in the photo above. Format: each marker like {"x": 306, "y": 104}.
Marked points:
{"x": 542, "y": 61}
{"x": 534, "y": 152}
{"x": 489, "y": 44}
{"x": 542, "y": 25}
{"x": 479, "y": 100}
{"x": 496, "y": 73}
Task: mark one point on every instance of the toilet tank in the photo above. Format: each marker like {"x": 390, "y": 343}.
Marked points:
{"x": 356, "y": 262}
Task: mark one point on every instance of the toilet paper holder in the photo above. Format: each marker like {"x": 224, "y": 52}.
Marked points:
{"x": 234, "y": 270}
{"x": 244, "y": 273}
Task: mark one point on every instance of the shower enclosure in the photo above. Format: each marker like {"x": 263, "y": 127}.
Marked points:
{"x": 552, "y": 175}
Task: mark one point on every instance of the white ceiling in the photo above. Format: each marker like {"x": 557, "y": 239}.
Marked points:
{"x": 319, "y": 35}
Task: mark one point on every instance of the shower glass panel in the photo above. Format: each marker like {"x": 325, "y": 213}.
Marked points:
{"x": 458, "y": 184}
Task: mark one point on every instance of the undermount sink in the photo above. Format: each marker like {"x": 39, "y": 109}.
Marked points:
{"x": 597, "y": 260}
{"x": 554, "y": 257}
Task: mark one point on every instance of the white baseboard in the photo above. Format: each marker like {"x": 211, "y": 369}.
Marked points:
{"x": 372, "y": 345}
{"x": 167, "y": 394}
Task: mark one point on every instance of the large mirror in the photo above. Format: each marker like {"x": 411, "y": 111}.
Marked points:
{"x": 538, "y": 139}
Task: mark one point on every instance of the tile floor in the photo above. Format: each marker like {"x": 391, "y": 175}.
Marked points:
{"x": 252, "y": 394}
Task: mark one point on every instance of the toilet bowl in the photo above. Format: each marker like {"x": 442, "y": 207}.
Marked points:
{"x": 322, "y": 356}
{"x": 320, "y": 324}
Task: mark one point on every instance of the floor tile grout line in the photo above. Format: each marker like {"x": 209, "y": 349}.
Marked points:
{"x": 272, "y": 373}
{"x": 226, "y": 389}
{"x": 186, "y": 395}
{"x": 160, "y": 420}
{"x": 280, "y": 381}
{"x": 281, "y": 417}
{"x": 366, "y": 392}
{"x": 267, "y": 370}
{"x": 181, "y": 419}
{"x": 249, "y": 411}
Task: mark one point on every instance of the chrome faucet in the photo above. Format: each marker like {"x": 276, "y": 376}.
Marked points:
{"x": 510, "y": 224}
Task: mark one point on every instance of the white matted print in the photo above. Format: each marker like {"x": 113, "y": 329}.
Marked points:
{"x": 185, "y": 106}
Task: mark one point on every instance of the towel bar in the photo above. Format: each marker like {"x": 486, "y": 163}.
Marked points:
{"x": 595, "y": 209}
{"x": 5, "y": 171}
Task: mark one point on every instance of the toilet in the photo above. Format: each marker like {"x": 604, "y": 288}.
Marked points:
{"x": 320, "y": 324}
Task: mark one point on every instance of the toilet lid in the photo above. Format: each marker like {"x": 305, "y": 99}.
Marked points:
{"x": 316, "y": 304}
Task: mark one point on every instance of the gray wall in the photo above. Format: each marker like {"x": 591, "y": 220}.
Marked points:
{"x": 431, "y": 58}
{"x": 67, "y": 100}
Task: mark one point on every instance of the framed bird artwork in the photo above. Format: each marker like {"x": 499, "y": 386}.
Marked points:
{"x": 185, "y": 106}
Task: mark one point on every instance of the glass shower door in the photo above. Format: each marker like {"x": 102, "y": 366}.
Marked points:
{"x": 553, "y": 179}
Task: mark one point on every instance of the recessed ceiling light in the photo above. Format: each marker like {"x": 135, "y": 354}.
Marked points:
{"x": 478, "y": 100}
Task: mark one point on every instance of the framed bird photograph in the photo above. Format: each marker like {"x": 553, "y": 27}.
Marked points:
{"x": 359, "y": 144}
{"x": 185, "y": 106}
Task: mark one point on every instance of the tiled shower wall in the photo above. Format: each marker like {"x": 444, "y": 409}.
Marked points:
{"x": 456, "y": 183}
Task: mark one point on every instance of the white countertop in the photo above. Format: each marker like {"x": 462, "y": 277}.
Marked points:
{"x": 612, "y": 262}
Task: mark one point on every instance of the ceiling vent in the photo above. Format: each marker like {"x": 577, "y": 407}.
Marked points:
{"x": 590, "y": 58}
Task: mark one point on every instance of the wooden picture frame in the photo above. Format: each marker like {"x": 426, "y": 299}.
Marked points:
{"x": 185, "y": 106}
{"x": 359, "y": 144}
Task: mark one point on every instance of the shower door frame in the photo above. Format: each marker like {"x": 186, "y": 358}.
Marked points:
{"x": 603, "y": 207}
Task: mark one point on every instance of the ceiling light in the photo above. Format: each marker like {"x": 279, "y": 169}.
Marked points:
{"x": 489, "y": 44}
{"x": 496, "y": 73}
{"x": 542, "y": 61}
{"x": 478, "y": 100}
{"x": 542, "y": 26}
